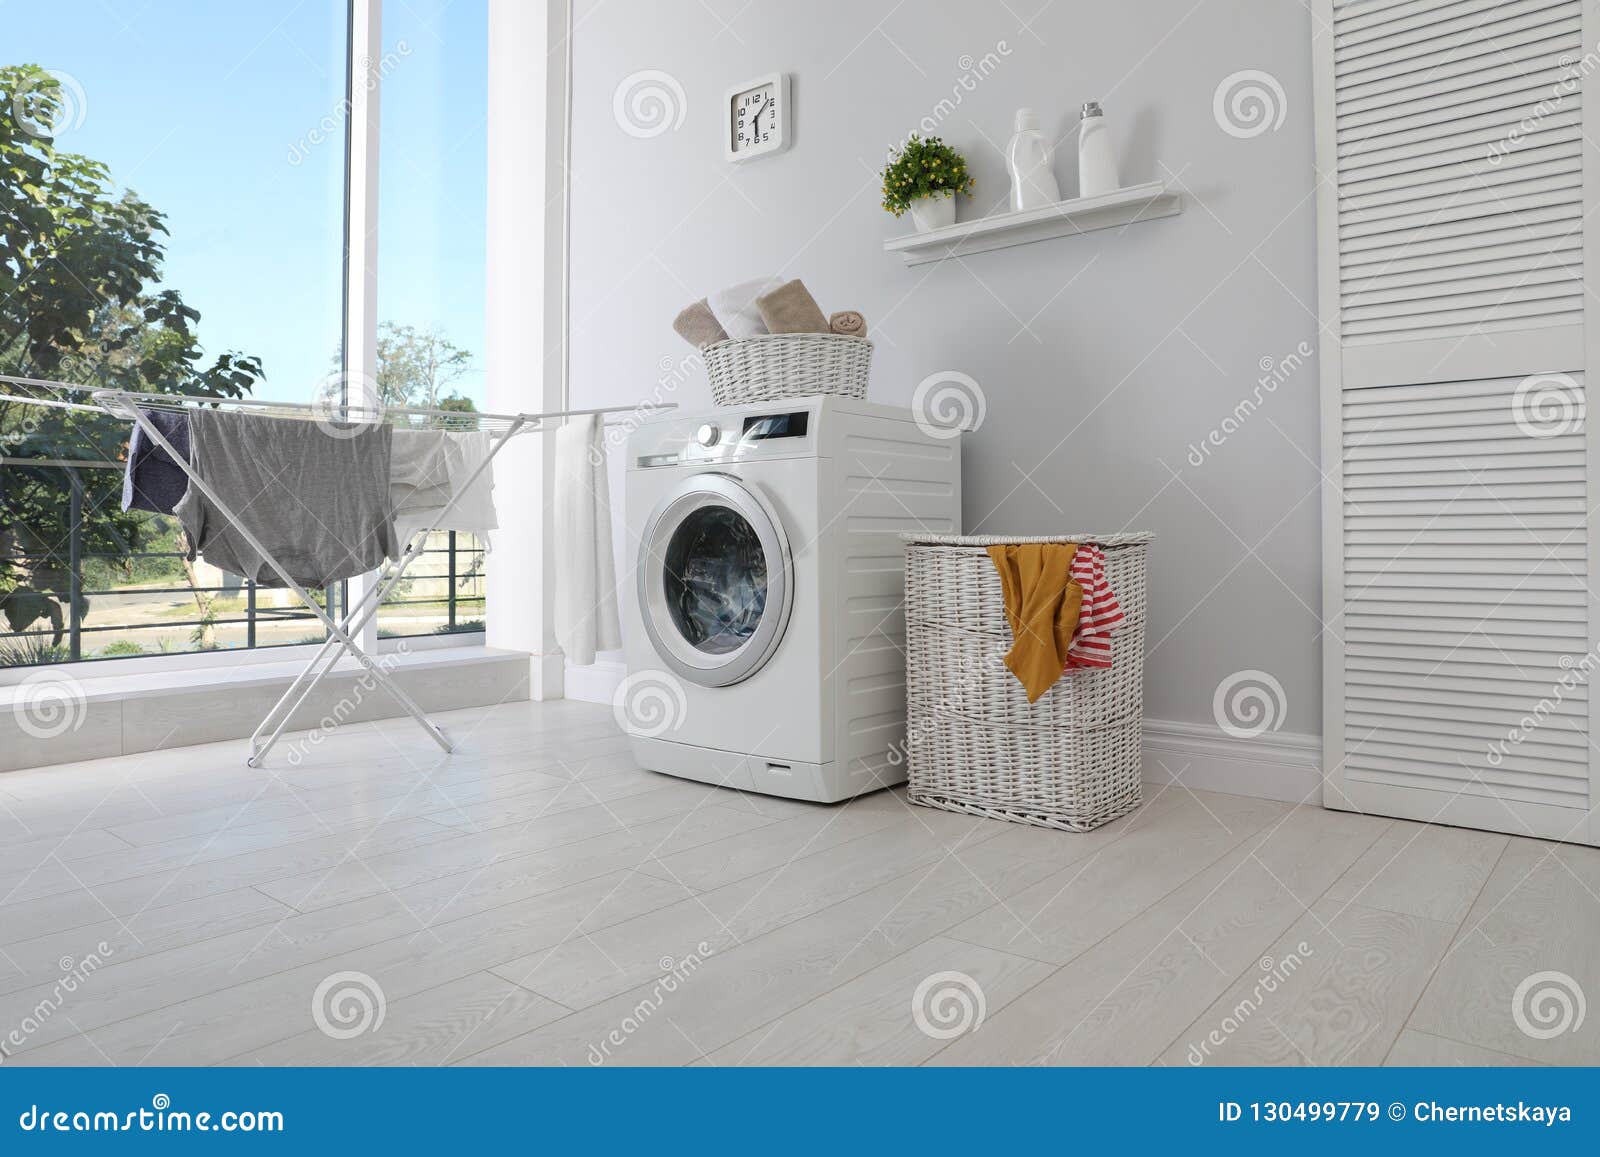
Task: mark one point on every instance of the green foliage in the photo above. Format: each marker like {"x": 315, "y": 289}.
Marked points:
{"x": 923, "y": 167}
{"x": 416, "y": 367}
{"x": 80, "y": 300}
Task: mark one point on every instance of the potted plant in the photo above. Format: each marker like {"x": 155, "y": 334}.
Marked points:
{"x": 924, "y": 175}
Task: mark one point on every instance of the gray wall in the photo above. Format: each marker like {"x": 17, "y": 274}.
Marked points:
{"x": 1106, "y": 360}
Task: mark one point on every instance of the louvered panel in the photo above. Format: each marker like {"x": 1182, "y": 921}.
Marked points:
{"x": 1454, "y": 779}
{"x": 1459, "y": 680}
{"x": 1548, "y": 741}
{"x": 1458, "y": 205}
{"x": 1447, "y": 145}
{"x": 1442, "y": 99}
{"x": 1465, "y": 597}
{"x": 1423, "y": 26}
{"x": 1523, "y": 765}
{"x": 1443, "y": 586}
{"x": 1365, "y": 19}
{"x": 1458, "y": 144}
{"x": 1566, "y": 725}
{"x": 1377, "y": 694}
{"x": 1482, "y": 33}
{"x": 1544, "y": 44}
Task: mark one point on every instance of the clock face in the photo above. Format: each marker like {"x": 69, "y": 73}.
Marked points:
{"x": 758, "y": 117}
{"x": 755, "y": 116}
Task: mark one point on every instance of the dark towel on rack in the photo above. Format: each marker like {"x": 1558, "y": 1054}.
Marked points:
{"x": 315, "y": 494}
{"x": 153, "y": 480}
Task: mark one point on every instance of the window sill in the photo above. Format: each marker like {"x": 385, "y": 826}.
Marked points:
{"x": 110, "y": 715}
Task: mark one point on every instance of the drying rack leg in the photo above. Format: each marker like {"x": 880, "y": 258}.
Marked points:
{"x": 312, "y": 674}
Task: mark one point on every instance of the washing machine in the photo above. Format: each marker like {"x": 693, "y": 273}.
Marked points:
{"x": 765, "y": 631}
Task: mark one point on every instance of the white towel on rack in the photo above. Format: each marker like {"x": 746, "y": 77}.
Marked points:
{"x": 586, "y": 571}
{"x": 419, "y": 494}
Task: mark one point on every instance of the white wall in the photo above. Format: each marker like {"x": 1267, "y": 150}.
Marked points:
{"x": 1103, "y": 358}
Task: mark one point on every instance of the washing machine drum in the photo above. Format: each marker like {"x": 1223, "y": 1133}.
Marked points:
{"x": 715, "y": 580}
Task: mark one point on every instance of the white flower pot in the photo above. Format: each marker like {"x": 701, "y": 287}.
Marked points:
{"x": 935, "y": 212}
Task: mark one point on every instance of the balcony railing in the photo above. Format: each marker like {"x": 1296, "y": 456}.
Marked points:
{"x": 441, "y": 594}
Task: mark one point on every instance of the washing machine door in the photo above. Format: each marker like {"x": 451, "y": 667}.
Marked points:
{"x": 715, "y": 580}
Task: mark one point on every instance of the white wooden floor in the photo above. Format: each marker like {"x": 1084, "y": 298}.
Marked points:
{"x": 537, "y": 899}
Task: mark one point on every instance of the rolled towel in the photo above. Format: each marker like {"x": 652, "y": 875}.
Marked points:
{"x": 847, "y": 322}
{"x": 791, "y": 309}
{"x": 735, "y": 307}
{"x": 698, "y": 326}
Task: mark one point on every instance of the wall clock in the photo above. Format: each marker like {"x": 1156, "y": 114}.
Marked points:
{"x": 758, "y": 117}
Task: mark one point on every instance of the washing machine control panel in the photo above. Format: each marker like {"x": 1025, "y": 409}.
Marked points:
{"x": 732, "y": 436}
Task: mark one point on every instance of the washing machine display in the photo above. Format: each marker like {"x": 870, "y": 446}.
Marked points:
{"x": 714, "y": 580}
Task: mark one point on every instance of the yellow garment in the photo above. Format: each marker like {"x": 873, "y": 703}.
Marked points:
{"x": 1042, "y": 605}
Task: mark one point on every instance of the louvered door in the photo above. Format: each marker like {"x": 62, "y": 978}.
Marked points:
{"x": 1458, "y": 517}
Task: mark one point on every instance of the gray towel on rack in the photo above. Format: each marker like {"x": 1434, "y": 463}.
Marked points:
{"x": 153, "y": 480}
{"x": 315, "y": 494}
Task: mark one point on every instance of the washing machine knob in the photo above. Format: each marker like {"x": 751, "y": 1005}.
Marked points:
{"x": 708, "y": 434}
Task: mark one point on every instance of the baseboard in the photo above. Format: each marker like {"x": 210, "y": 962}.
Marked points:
{"x": 596, "y": 683}
{"x": 1279, "y": 765}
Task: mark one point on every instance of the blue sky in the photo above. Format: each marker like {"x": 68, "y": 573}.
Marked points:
{"x": 209, "y": 111}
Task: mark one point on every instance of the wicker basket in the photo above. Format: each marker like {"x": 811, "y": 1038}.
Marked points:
{"x": 976, "y": 744}
{"x": 787, "y": 365}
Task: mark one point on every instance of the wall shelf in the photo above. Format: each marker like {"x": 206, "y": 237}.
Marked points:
{"x": 1145, "y": 202}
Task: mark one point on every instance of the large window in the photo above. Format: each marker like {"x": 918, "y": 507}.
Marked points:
{"x": 172, "y": 219}
{"x": 432, "y": 203}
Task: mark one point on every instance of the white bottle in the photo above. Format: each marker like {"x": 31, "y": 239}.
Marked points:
{"x": 1028, "y": 156}
{"x": 1097, "y": 163}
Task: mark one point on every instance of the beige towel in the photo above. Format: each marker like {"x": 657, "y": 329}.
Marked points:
{"x": 791, "y": 309}
{"x": 848, "y": 322}
{"x": 698, "y": 326}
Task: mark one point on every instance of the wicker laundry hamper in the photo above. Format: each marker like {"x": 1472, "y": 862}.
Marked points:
{"x": 975, "y": 743}
{"x": 775, "y": 366}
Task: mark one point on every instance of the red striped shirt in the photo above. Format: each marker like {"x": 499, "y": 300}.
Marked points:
{"x": 1100, "y": 614}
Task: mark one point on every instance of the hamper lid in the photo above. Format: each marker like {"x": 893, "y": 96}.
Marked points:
{"x": 1124, "y": 538}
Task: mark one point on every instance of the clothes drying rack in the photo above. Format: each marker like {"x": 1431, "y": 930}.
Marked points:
{"x": 135, "y": 406}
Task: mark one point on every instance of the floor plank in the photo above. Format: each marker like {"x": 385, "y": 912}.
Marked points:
{"x": 1422, "y": 869}
{"x": 1535, "y": 930}
{"x": 873, "y": 1019}
{"x": 1335, "y": 989}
